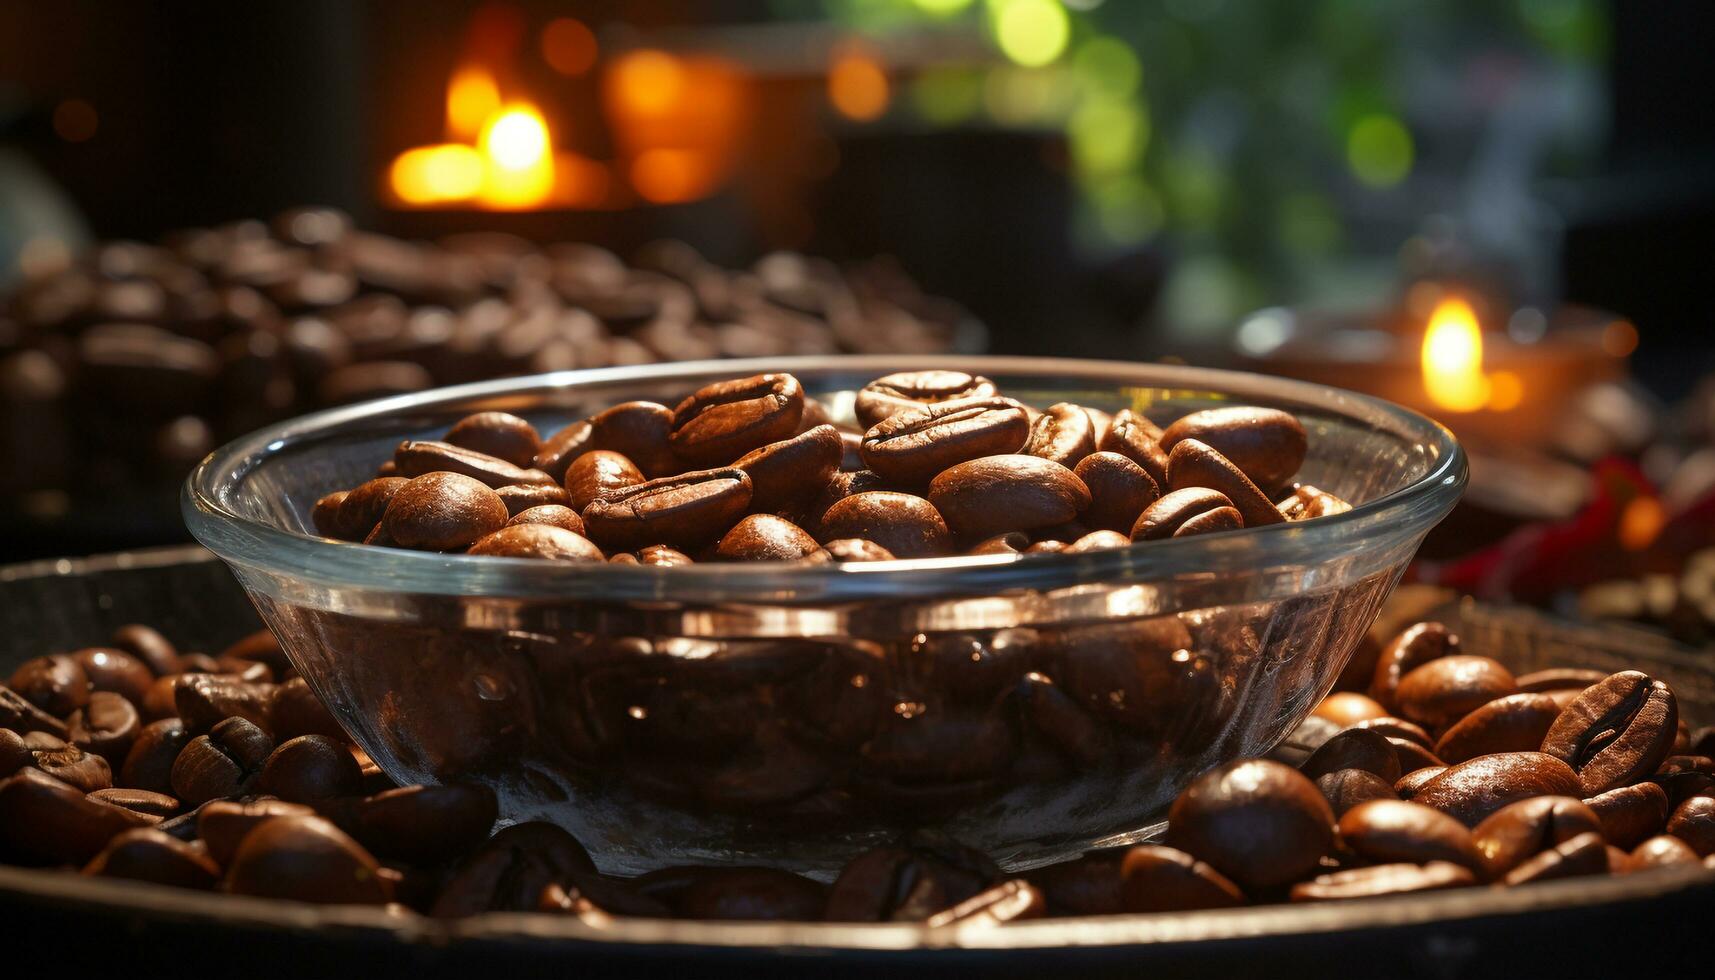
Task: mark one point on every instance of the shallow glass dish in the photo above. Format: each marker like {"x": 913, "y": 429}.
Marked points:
{"x": 795, "y": 714}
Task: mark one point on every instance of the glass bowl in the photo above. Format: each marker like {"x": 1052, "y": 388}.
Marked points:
{"x": 793, "y": 715}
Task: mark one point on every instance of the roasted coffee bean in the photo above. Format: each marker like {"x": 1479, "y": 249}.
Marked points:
{"x": 1390, "y": 831}
{"x": 1184, "y": 513}
{"x": 1519, "y": 831}
{"x": 1694, "y": 823}
{"x": 1346, "y": 788}
{"x": 443, "y": 512}
{"x": 1194, "y": 464}
{"x": 520, "y": 497}
{"x": 1446, "y": 689}
{"x": 908, "y": 882}
{"x": 1308, "y": 503}
{"x": 1119, "y": 491}
{"x": 204, "y": 700}
{"x": 1382, "y": 879}
{"x": 723, "y": 421}
{"x": 764, "y": 537}
{"x": 915, "y": 445}
{"x": 1355, "y": 748}
{"x": 560, "y": 450}
{"x": 1309, "y": 736}
{"x": 1411, "y": 649}
{"x": 551, "y": 515}
{"x": 509, "y": 872}
{"x": 361, "y": 508}
{"x": 1631, "y": 814}
{"x": 423, "y": 824}
{"x": 220, "y": 763}
{"x": 260, "y": 647}
{"x": 1139, "y": 440}
{"x": 685, "y": 511}
{"x": 1064, "y": 433}
{"x": 499, "y": 434}
{"x": 416, "y": 458}
{"x": 1661, "y": 852}
{"x": 907, "y": 526}
{"x": 1349, "y": 709}
{"x": 1685, "y": 776}
{"x": 146, "y": 854}
{"x": 1472, "y": 790}
{"x": 158, "y": 805}
{"x": 55, "y": 684}
{"x": 1009, "y": 901}
{"x": 106, "y": 726}
{"x": 739, "y": 894}
{"x": 21, "y": 716}
{"x": 1586, "y": 854}
{"x": 46, "y": 821}
{"x": 640, "y": 432}
{"x": 910, "y": 390}
{"x": 1268, "y": 445}
{"x": 1413, "y": 756}
{"x": 223, "y": 824}
{"x": 1002, "y": 493}
{"x": 1560, "y": 679}
{"x": 115, "y": 671}
{"x": 309, "y": 768}
{"x": 1515, "y": 723}
{"x": 1413, "y": 782}
{"x": 1098, "y": 541}
{"x": 149, "y": 646}
{"x": 1066, "y": 726}
{"x": 787, "y": 473}
{"x": 840, "y": 486}
{"x": 1162, "y": 879}
{"x": 1397, "y": 728}
{"x": 306, "y": 859}
{"x": 1616, "y": 732}
{"x": 295, "y": 710}
{"x": 542, "y": 541}
{"x": 856, "y": 549}
{"x": 14, "y": 753}
{"x": 1258, "y": 822}
{"x": 1089, "y": 885}
{"x": 1010, "y": 543}
{"x": 149, "y": 763}
{"x": 68, "y": 763}
{"x": 663, "y": 556}
{"x": 596, "y": 474}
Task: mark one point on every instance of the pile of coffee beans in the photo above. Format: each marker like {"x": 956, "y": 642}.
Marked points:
{"x": 934, "y": 463}
{"x": 132, "y": 362}
{"x": 136, "y": 761}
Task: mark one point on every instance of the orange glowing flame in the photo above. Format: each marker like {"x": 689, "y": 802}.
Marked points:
{"x": 500, "y": 155}
{"x": 1641, "y": 522}
{"x": 1453, "y": 358}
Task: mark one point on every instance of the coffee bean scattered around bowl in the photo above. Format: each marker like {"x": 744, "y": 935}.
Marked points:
{"x": 232, "y": 791}
{"x": 756, "y": 469}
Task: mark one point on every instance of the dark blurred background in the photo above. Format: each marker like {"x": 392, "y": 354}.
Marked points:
{"x": 1296, "y": 188}
{"x": 1088, "y": 177}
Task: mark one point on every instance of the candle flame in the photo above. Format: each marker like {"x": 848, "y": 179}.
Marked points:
{"x": 1453, "y": 358}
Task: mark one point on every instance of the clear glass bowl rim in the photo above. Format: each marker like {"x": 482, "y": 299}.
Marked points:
{"x": 1393, "y": 518}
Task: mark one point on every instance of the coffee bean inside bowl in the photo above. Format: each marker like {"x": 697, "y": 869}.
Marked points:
{"x": 930, "y": 464}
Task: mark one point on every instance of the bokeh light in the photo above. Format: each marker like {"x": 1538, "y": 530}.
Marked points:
{"x": 1379, "y": 150}
{"x": 858, "y": 86}
{"x": 568, "y": 46}
{"x": 1032, "y": 32}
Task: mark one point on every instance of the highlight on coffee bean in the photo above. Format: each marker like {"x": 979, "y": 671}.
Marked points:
{"x": 756, "y": 469}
